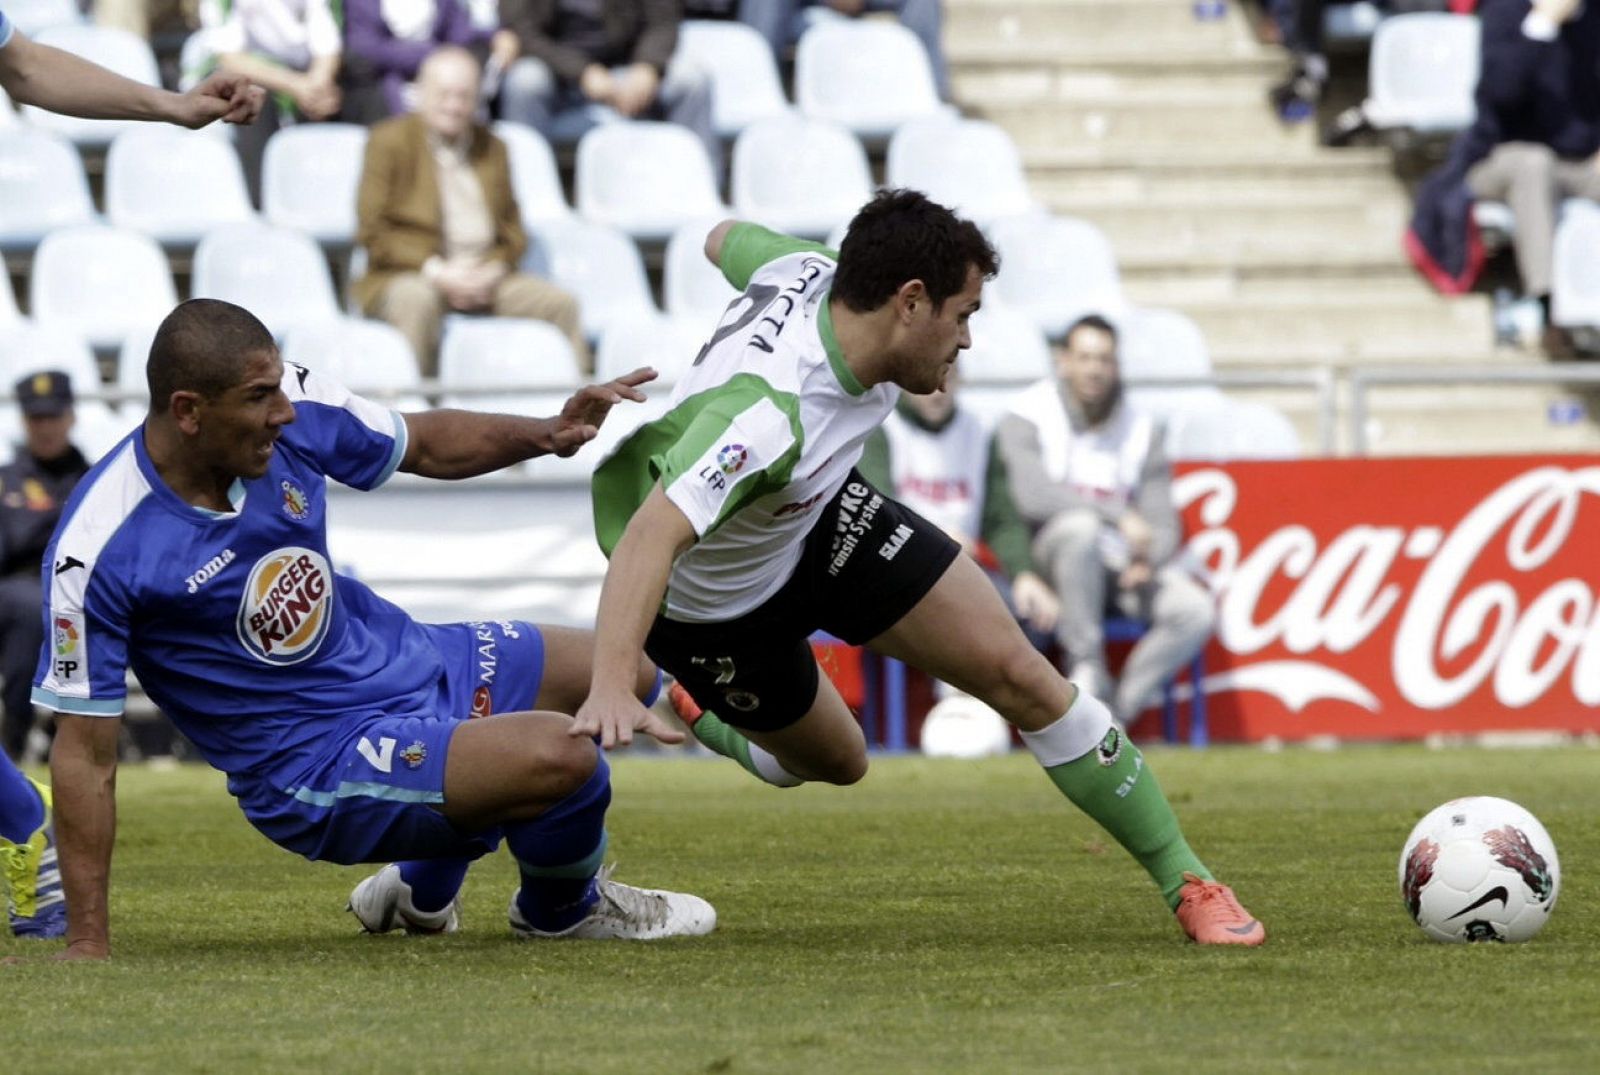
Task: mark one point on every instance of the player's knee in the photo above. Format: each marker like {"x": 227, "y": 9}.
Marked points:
{"x": 846, "y": 768}
{"x": 1021, "y": 685}
{"x": 562, "y": 766}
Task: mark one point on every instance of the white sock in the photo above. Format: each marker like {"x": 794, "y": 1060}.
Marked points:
{"x": 1078, "y": 731}
{"x": 770, "y": 770}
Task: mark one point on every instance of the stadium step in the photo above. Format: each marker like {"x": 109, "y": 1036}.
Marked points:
{"x": 1064, "y": 22}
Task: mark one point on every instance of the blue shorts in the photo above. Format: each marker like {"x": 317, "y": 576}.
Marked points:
{"x": 374, "y": 794}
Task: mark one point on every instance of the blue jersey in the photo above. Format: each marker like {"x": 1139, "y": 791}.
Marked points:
{"x": 5, "y": 30}
{"x": 235, "y": 623}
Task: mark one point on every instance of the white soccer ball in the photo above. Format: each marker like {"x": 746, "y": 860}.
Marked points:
{"x": 1479, "y": 869}
{"x": 963, "y": 727}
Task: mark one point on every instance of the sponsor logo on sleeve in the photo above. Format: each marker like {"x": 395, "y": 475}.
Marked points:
{"x": 287, "y": 606}
{"x": 68, "y": 662}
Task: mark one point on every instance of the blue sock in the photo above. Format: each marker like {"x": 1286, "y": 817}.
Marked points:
{"x": 559, "y": 853}
{"x": 655, "y": 691}
{"x": 21, "y": 808}
{"x": 434, "y": 882}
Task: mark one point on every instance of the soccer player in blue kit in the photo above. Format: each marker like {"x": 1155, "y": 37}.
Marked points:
{"x": 196, "y": 554}
{"x": 49, "y": 78}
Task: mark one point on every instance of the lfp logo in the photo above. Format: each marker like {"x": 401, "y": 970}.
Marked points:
{"x": 286, "y": 606}
{"x": 731, "y": 459}
{"x": 66, "y": 637}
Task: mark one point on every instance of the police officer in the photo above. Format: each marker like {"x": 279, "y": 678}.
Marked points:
{"x": 33, "y": 488}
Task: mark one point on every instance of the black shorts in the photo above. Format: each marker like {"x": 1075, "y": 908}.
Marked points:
{"x": 866, "y": 563}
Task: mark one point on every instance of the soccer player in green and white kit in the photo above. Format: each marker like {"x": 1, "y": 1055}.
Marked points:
{"x": 737, "y": 525}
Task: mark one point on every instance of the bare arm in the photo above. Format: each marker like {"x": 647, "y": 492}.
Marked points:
{"x": 714, "y": 241}
{"x": 83, "y": 772}
{"x": 655, "y": 537}
{"x": 462, "y": 444}
{"x": 58, "y": 81}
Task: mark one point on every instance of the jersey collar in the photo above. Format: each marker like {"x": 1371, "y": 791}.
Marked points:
{"x": 830, "y": 343}
{"x": 164, "y": 493}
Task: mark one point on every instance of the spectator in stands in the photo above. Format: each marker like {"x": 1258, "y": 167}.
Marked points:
{"x": 612, "y": 53}
{"x": 1296, "y": 98}
{"x": 385, "y": 44}
{"x": 782, "y": 22}
{"x": 938, "y": 460}
{"x": 1534, "y": 142}
{"x": 439, "y": 222}
{"x": 292, "y": 47}
{"x": 33, "y": 487}
{"x": 1090, "y": 475}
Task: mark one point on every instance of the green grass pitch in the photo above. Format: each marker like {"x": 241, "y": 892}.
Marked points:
{"x": 940, "y": 916}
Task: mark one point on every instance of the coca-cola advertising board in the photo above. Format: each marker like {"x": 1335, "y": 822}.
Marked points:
{"x": 1396, "y": 598}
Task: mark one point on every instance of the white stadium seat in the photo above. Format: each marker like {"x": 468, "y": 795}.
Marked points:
{"x": 101, "y": 282}
{"x": 598, "y": 264}
{"x": 1231, "y": 429}
{"x": 535, "y": 180}
{"x": 174, "y": 185}
{"x": 372, "y": 358}
{"x": 670, "y": 344}
{"x": 309, "y": 178}
{"x": 799, "y": 176}
{"x": 45, "y": 186}
{"x": 126, "y": 53}
{"x": 645, "y": 178}
{"x": 27, "y": 348}
{"x": 529, "y": 363}
{"x": 969, "y": 165}
{"x": 279, "y": 275}
{"x": 745, "y": 86}
{"x": 1422, "y": 72}
{"x": 34, "y": 17}
{"x": 868, "y": 76}
{"x": 691, "y": 286}
{"x": 132, "y": 358}
{"x": 1575, "y": 279}
{"x": 9, "y": 315}
{"x": 1155, "y": 343}
{"x": 1056, "y": 269}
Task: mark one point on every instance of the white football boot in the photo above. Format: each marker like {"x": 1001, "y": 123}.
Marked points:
{"x": 383, "y": 902}
{"x": 632, "y": 914}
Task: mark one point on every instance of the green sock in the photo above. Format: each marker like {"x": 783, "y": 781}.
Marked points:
{"x": 1122, "y": 794}
{"x": 725, "y": 740}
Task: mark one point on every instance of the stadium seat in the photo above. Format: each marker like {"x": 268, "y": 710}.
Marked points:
{"x": 529, "y": 365}
{"x": 101, "y": 282}
{"x": 1056, "y": 269}
{"x": 865, "y": 75}
{"x": 670, "y": 344}
{"x": 970, "y": 165}
{"x": 1231, "y": 429}
{"x": 1156, "y": 343}
{"x": 691, "y": 286}
{"x": 45, "y": 187}
{"x": 1008, "y": 353}
{"x": 1422, "y": 72}
{"x": 598, "y": 264}
{"x": 745, "y": 86}
{"x": 535, "y": 180}
{"x": 34, "y": 17}
{"x": 372, "y": 358}
{"x": 131, "y": 381}
{"x": 9, "y": 315}
{"x": 27, "y": 348}
{"x": 174, "y": 185}
{"x": 645, "y": 178}
{"x": 1575, "y": 271}
{"x": 8, "y": 115}
{"x": 279, "y": 275}
{"x": 799, "y": 176}
{"x": 309, "y": 178}
{"x": 128, "y": 54}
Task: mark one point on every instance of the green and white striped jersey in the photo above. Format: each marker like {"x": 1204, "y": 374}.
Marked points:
{"x": 762, "y": 432}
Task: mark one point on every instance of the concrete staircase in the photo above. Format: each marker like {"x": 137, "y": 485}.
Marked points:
{"x": 1153, "y": 125}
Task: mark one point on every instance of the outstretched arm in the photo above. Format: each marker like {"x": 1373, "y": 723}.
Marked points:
{"x": 83, "y": 774}
{"x": 462, "y": 444}
{"x": 58, "y": 81}
{"x": 656, "y": 536}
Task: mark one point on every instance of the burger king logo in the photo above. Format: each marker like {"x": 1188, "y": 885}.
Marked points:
{"x": 287, "y": 606}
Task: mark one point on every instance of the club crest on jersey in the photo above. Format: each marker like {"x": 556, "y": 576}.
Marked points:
{"x": 415, "y": 754}
{"x": 287, "y": 605}
{"x": 295, "y": 504}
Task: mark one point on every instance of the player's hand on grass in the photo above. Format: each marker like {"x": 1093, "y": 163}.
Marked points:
{"x": 580, "y": 419}
{"x": 614, "y": 718}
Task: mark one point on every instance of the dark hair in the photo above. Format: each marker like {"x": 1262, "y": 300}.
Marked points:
{"x": 1094, "y": 321}
{"x": 901, "y": 235}
{"x": 202, "y": 347}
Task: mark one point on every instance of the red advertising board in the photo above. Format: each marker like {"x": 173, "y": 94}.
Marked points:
{"x": 1397, "y": 598}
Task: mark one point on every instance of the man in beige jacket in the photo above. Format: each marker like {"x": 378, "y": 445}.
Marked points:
{"x": 439, "y": 222}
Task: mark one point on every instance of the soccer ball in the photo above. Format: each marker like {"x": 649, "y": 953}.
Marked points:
{"x": 963, "y": 727}
{"x": 1479, "y": 869}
